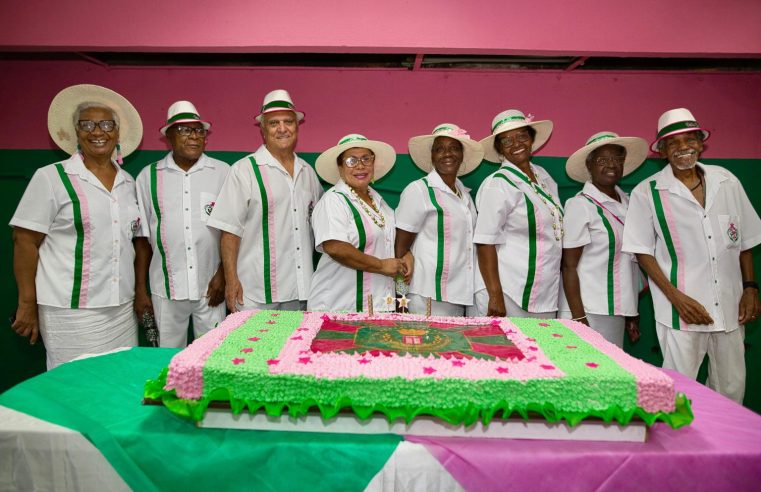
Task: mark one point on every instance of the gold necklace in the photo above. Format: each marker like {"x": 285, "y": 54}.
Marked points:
{"x": 372, "y": 211}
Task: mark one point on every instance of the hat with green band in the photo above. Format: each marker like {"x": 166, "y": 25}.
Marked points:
{"x": 327, "y": 167}
{"x": 510, "y": 120}
{"x": 674, "y": 122}
{"x": 636, "y": 152}
{"x": 182, "y": 112}
{"x": 278, "y": 100}
{"x": 420, "y": 148}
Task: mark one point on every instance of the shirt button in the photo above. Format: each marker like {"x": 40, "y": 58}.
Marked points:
{"x": 186, "y": 192}
{"x": 186, "y": 227}
{"x": 297, "y": 248}
{"x": 191, "y": 267}
{"x": 297, "y": 228}
{"x": 188, "y": 248}
{"x": 186, "y": 209}
{"x": 294, "y": 209}
{"x": 709, "y": 237}
{"x": 717, "y": 304}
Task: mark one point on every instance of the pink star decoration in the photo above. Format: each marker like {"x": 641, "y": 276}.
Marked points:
{"x": 273, "y": 362}
{"x": 305, "y": 360}
{"x": 429, "y": 370}
{"x": 458, "y": 363}
{"x": 254, "y": 339}
{"x": 247, "y": 350}
{"x": 547, "y": 367}
{"x": 238, "y": 360}
{"x": 592, "y": 365}
{"x": 364, "y": 360}
{"x": 544, "y": 324}
{"x": 297, "y": 338}
{"x": 557, "y": 335}
{"x": 502, "y": 370}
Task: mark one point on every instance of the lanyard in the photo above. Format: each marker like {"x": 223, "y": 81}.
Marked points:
{"x": 605, "y": 208}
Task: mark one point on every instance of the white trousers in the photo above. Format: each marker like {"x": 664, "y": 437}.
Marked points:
{"x": 684, "y": 351}
{"x": 481, "y": 307}
{"x": 294, "y": 305}
{"x": 610, "y": 327}
{"x": 71, "y": 333}
{"x": 418, "y": 305}
{"x": 172, "y": 319}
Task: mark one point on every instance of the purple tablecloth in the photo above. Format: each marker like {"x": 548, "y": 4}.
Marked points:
{"x": 720, "y": 450}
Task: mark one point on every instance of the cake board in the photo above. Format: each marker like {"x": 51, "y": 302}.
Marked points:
{"x": 348, "y": 423}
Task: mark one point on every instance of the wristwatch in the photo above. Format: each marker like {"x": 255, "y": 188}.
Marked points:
{"x": 750, "y": 284}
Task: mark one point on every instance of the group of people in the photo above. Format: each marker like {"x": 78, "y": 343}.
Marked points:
{"x": 202, "y": 235}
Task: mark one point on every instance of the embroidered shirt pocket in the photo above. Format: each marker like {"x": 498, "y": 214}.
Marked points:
{"x": 208, "y": 200}
{"x": 729, "y": 227}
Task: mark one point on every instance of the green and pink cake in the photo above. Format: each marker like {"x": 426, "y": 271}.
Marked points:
{"x": 461, "y": 370}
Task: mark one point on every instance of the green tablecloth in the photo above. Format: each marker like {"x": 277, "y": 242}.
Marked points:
{"x": 154, "y": 450}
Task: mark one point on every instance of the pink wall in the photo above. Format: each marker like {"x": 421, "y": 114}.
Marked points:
{"x": 395, "y": 105}
{"x": 647, "y": 27}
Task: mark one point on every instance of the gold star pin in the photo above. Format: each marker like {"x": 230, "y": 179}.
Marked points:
{"x": 403, "y": 301}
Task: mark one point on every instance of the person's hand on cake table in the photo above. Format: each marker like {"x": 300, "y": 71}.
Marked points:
{"x": 435, "y": 220}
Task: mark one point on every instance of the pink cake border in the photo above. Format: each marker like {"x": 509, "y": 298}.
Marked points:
{"x": 296, "y": 358}
{"x": 652, "y": 396}
{"x": 185, "y": 374}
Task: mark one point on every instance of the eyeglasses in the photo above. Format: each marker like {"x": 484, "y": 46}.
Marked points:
{"x": 605, "y": 161}
{"x": 509, "y": 141}
{"x": 352, "y": 161}
{"x": 185, "y": 131}
{"x": 89, "y": 125}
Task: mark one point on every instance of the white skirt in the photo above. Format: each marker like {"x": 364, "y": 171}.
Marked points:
{"x": 71, "y": 333}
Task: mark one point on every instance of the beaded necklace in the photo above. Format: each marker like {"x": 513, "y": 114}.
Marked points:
{"x": 372, "y": 211}
{"x": 541, "y": 191}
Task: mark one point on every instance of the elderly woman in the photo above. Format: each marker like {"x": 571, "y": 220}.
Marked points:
{"x": 600, "y": 281}
{"x": 436, "y": 217}
{"x": 73, "y": 229}
{"x": 519, "y": 230}
{"x": 354, "y": 227}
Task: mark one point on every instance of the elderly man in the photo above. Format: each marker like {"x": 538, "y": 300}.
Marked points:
{"x": 182, "y": 261}
{"x": 263, "y": 212}
{"x": 692, "y": 228}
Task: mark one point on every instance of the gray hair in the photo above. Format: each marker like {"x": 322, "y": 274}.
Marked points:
{"x": 90, "y": 104}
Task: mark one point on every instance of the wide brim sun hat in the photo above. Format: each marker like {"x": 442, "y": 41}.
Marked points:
{"x": 510, "y": 120}
{"x": 183, "y": 112}
{"x": 61, "y": 116}
{"x": 278, "y": 100}
{"x": 385, "y": 157}
{"x": 636, "y": 152}
{"x": 674, "y": 122}
{"x": 420, "y": 148}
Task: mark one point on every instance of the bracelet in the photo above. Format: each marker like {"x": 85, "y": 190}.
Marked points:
{"x": 750, "y": 284}
{"x": 579, "y": 319}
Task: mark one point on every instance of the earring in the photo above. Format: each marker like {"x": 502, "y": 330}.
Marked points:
{"x": 119, "y": 159}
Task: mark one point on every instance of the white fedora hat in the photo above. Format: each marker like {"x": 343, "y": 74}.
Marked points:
{"x": 61, "y": 116}
{"x": 510, "y": 120}
{"x": 675, "y": 121}
{"x": 636, "y": 152}
{"x": 182, "y": 112}
{"x": 420, "y": 148}
{"x": 327, "y": 167}
{"x": 278, "y": 100}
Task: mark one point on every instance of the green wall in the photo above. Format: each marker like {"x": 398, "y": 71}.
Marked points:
{"x": 19, "y": 360}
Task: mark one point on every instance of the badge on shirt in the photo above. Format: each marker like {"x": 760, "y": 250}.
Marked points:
{"x": 732, "y": 232}
{"x": 135, "y": 226}
{"x": 208, "y": 207}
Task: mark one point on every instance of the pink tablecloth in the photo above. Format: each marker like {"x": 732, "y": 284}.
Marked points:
{"x": 720, "y": 450}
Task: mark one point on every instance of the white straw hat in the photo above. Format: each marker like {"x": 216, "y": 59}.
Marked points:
{"x": 182, "y": 112}
{"x": 65, "y": 103}
{"x": 636, "y": 152}
{"x": 420, "y": 148}
{"x": 327, "y": 167}
{"x": 278, "y": 100}
{"x": 675, "y": 121}
{"x": 510, "y": 120}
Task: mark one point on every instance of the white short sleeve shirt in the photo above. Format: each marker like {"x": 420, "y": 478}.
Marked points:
{"x": 519, "y": 220}
{"x": 86, "y": 259}
{"x": 175, "y": 206}
{"x": 608, "y": 277}
{"x": 270, "y": 211}
{"x": 445, "y": 260}
{"x": 338, "y": 288}
{"x": 697, "y": 249}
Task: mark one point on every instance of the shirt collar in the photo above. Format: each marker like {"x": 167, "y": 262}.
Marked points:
{"x": 435, "y": 180}
{"x": 269, "y": 160}
{"x": 168, "y": 163}
{"x": 342, "y": 187}
{"x": 592, "y": 190}
{"x": 665, "y": 180}
{"x": 75, "y": 165}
